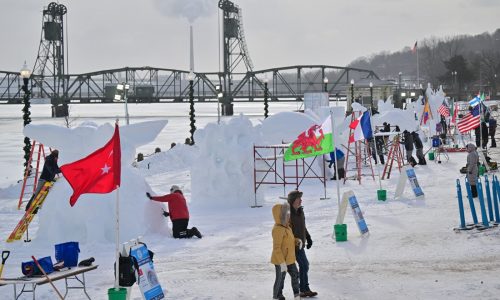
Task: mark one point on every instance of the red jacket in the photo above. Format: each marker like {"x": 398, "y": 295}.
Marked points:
{"x": 177, "y": 206}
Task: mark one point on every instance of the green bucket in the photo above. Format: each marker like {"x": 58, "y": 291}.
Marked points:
{"x": 431, "y": 155}
{"x": 120, "y": 294}
{"x": 340, "y": 232}
{"x": 482, "y": 170}
{"x": 382, "y": 195}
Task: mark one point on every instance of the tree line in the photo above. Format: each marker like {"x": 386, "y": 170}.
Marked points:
{"x": 463, "y": 64}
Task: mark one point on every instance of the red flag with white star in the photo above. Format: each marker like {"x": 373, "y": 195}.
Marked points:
{"x": 98, "y": 173}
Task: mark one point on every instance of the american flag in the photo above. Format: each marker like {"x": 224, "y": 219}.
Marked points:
{"x": 444, "y": 110}
{"x": 470, "y": 121}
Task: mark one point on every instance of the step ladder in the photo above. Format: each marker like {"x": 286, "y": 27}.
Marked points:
{"x": 362, "y": 157}
{"x": 395, "y": 154}
{"x": 31, "y": 174}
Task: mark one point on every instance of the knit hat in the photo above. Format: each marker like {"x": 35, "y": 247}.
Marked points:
{"x": 293, "y": 195}
{"x": 175, "y": 188}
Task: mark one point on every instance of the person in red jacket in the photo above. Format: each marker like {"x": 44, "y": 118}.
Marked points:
{"x": 178, "y": 212}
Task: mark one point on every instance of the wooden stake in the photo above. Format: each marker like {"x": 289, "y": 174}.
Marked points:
{"x": 46, "y": 276}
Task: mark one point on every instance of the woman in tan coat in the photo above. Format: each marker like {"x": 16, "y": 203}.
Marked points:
{"x": 283, "y": 256}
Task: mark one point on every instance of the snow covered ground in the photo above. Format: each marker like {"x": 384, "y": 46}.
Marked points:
{"x": 412, "y": 251}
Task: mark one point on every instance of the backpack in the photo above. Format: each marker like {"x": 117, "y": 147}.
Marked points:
{"x": 128, "y": 268}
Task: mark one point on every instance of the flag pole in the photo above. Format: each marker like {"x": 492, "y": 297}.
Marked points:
{"x": 335, "y": 158}
{"x": 376, "y": 151}
{"x": 418, "y": 73}
{"x": 117, "y": 246}
{"x": 117, "y": 250}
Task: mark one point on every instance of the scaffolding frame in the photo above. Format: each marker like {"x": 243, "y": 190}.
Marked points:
{"x": 270, "y": 155}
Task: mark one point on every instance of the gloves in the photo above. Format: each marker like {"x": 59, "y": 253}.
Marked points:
{"x": 283, "y": 267}
{"x": 299, "y": 243}
{"x": 309, "y": 242}
{"x": 149, "y": 195}
{"x": 166, "y": 214}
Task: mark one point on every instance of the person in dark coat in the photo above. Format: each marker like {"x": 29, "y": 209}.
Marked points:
{"x": 298, "y": 223}
{"x": 408, "y": 142}
{"x": 178, "y": 212}
{"x": 340, "y": 162}
{"x": 420, "y": 148}
{"x": 378, "y": 142}
{"x": 49, "y": 172}
{"x": 492, "y": 130}
{"x": 472, "y": 168}
{"x": 484, "y": 134}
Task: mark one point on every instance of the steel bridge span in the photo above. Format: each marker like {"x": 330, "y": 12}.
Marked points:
{"x": 150, "y": 85}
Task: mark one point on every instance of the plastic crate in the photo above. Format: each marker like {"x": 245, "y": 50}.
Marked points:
{"x": 67, "y": 252}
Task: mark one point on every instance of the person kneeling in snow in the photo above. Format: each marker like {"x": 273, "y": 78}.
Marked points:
{"x": 178, "y": 212}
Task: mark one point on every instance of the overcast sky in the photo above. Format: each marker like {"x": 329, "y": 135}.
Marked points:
{"x": 105, "y": 34}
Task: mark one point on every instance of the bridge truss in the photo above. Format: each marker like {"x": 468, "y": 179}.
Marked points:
{"x": 149, "y": 85}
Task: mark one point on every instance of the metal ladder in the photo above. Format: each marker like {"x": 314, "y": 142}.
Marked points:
{"x": 31, "y": 174}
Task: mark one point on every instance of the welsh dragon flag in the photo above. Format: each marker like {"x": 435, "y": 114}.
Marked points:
{"x": 317, "y": 140}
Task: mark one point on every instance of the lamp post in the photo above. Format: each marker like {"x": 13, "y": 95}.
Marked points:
{"x": 218, "y": 90}
{"x": 25, "y": 74}
{"x": 325, "y": 81}
{"x": 266, "y": 98}
{"x": 495, "y": 85}
{"x": 191, "y": 106}
{"x": 121, "y": 95}
{"x": 371, "y": 94}
{"x": 454, "y": 74}
{"x": 352, "y": 93}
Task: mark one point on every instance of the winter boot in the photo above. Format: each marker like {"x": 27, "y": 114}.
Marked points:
{"x": 341, "y": 173}
{"x": 308, "y": 294}
{"x": 473, "y": 190}
{"x": 196, "y": 232}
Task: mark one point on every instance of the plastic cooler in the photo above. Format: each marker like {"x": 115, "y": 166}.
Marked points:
{"x": 68, "y": 252}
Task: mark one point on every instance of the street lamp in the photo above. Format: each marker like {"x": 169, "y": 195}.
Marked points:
{"x": 454, "y": 74}
{"x": 266, "y": 98}
{"x": 371, "y": 94}
{"x": 25, "y": 74}
{"x": 325, "y": 81}
{"x": 352, "y": 92}
{"x": 121, "y": 95}
{"x": 220, "y": 94}
{"x": 191, "y": 106}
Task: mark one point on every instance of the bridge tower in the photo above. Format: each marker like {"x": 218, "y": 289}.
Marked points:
{"x": 50, "y": 61}
{"x": 235, "y": 51}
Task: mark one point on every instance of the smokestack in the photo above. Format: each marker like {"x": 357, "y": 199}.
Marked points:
{"x": 191, "y": 60}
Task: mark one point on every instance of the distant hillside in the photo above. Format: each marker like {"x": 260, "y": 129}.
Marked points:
{"x": 475, "y": 59}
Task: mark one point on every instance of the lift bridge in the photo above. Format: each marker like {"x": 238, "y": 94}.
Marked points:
{"x": 237, "y": 82}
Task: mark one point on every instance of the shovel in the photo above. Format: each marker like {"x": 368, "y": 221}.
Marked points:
{"x": 5, "y": 255}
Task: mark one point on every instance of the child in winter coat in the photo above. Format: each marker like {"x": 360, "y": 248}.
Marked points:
{"x": 283, "y": 256}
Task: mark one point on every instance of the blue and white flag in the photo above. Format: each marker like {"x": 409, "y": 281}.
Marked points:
{"x": 475, "y": 101}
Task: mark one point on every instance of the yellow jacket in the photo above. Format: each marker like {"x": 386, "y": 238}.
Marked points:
{"x": 283, "y": 239}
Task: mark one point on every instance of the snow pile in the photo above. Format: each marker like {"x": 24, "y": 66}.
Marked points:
{"x": 177, "y": 158}
{"x": 92, "y": 217}
{"x": 222, "y": 174}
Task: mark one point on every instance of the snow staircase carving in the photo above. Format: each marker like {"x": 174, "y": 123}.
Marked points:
{"x": 30, "y": 179}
